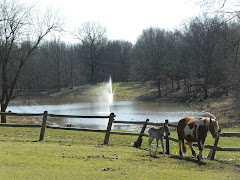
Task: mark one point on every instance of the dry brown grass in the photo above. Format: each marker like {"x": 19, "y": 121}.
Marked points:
{"x": 223, "y": 108}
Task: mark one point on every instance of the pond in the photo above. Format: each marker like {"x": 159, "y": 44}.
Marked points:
{"x": 124, "y": 110}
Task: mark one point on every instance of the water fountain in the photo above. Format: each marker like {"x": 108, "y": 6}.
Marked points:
{"x": 106, "y": 97}
{"x": 110, "y": 93}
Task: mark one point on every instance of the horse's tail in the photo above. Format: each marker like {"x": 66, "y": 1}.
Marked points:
{"x": 183, "y": 146}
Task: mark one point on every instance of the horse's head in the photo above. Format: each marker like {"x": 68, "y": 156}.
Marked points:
{"x": 166, "y": 129}
{"x": 214, "y": 128}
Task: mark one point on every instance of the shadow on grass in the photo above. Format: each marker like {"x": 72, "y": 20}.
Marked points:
{"x": 228, "y": 163}
{"x": 189, "y": 159}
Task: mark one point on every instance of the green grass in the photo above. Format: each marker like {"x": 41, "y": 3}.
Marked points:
{"x": 130, "y": 90}
{"x": 81, "y": 155}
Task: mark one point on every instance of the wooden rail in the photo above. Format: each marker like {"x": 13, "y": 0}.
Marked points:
{"x": 73, "y": 116}
{"x": 210, "y": 147}
{"x": 20, "y": 114}
{"x": 230, "y": 134}
{"x": 20, "y": 125}
{"x": 143, "y": 122}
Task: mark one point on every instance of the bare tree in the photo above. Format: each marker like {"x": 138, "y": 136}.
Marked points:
{"x": 94, "y": 40}
{"x": 229, "y": 8}
{"x": 56, "y": 53}
{"x": 118, "y": 60}
{"x": 150, "y": 56}
{"x": 17, "y": 25}
{"x": 203, "y": 35}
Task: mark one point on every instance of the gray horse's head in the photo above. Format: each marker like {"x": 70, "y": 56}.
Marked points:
{"x": 166, "y": 129}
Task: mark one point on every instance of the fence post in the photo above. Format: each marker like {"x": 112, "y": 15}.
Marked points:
{"x": 167, "y": 139}
{"x": 214, "y": 149}
{"x": 109, "y": 127}
{"x": 138, "y": 143}
{"x": 43, "y": 125}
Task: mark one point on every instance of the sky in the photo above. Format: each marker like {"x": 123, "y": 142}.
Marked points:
{"x": 123, "y": 19}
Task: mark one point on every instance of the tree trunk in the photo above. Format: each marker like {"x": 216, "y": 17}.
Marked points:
{"x": 58, "y": 77}
{"x": 159, "y": 88}
{"x": 178, "y": 84}
{"x": 166, "y": 87}
{"x": 172, "y": 85}
{"x": 205, "y": 88}
{"x": 71, "y": 73}
{"x": 3, "y": 117}
{"x": 92, "y": 75}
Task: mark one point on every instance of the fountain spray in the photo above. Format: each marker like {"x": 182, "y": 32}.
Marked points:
{"x": 106, "y": 97}
{"x": 110, "y": 93}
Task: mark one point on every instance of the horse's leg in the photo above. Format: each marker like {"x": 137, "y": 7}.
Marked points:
{"x": 180, "y": 147}
{"x": 201, "y": 146}
{"x": 156, "y": 147}
{"x": 193, "y": 151}
{"x": 162, "y": 147}
{"x": 150, "y": 139}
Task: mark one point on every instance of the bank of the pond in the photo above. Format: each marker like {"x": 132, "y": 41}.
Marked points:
{"x": 222, "y": 107}
{"x": 123, "y": 91}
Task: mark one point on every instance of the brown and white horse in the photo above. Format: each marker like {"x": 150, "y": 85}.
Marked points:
{"x": 195, "y": 130}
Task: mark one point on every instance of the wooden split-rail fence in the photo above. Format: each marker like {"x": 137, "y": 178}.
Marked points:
{"x": 109, "y": 131}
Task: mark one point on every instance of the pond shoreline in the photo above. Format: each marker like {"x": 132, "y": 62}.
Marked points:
{"x": 222, "y": 107}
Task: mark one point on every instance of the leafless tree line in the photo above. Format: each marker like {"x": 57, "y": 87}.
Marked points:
{"x": 197, "y": 58}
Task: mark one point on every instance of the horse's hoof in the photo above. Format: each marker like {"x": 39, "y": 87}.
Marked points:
{"x": 153, "y": 156}
{"x": 199, "y": 157}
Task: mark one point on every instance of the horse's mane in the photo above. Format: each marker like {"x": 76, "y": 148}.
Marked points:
{"x": 208, "y": 114}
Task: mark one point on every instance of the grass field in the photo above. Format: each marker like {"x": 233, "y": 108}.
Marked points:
{"x": 82, "y": 155}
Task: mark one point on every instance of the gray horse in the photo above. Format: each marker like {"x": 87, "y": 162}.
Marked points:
{"x": 158, "y": 133}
